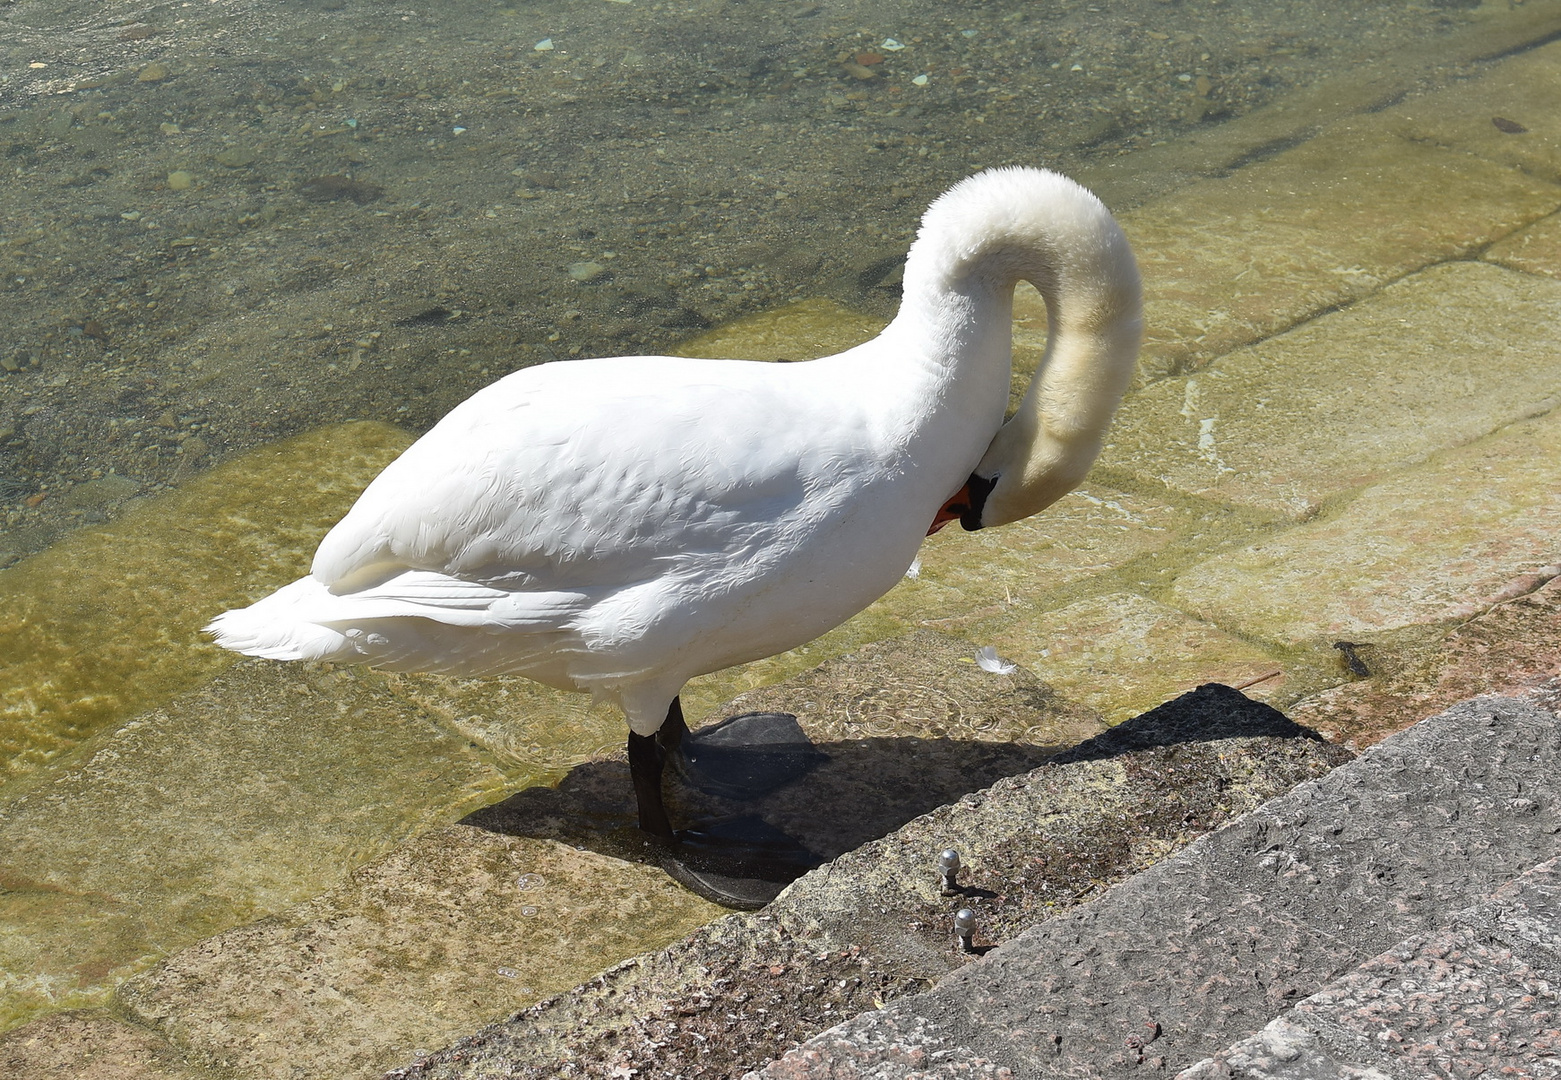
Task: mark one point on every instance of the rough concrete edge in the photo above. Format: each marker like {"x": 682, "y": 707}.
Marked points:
{"x": 1296, "y": 1047}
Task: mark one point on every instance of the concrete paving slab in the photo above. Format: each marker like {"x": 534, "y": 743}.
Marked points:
{"x": 259, "y": 790}
{"x": 1313, "y": 228}
{"x": 455, "y": 928}
{"x": 1205, "y": 947}
{"x": 1432, "y": 545}
{"x": 1345, "y": 400}
{"x": 1479, "y": 995}
{"x": 1534, "y": 250}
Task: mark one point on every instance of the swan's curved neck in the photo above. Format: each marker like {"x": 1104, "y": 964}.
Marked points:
{"x": 976, "y": 243}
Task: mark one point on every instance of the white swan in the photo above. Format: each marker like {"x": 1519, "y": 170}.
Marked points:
{"x": 622, "y": 525}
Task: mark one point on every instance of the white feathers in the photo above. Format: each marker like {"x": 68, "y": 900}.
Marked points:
{"x": 988, "y": 660}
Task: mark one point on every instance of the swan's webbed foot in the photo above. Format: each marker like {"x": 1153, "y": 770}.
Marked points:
{"x": 739, "y": 861}
{"x": 746, "y": 756}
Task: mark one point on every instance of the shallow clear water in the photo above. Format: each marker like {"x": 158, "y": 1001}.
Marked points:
{"x": 224, "y": 226}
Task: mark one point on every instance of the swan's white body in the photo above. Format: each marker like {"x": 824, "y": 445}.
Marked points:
{"x": 622, "y": 525}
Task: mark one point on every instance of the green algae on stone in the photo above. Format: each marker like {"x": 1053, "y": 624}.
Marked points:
{"x": 1429, "y": 546}
{"x": 1428, "y": 363}
{"x": 1230, "y": 261}
{"x": 107, "y": 622}
{"x": 453, "y": 929}
{"x": 260, "y": 789}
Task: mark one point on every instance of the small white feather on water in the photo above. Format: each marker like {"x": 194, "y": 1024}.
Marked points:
{"x": 988, "y": 660}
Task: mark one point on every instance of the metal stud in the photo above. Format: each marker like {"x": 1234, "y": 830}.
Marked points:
{"x": 965, "y": 928}
{"x": 948, "y": 866}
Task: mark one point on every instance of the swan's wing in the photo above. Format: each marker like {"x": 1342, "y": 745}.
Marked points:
{"x": 575, "y": 478}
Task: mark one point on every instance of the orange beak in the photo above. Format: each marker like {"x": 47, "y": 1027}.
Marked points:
{"x": 957, "y": 505}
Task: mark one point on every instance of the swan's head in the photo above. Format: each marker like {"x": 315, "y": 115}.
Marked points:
{"x": 1082, "y": 265}
{"x": 1044, "y": 450}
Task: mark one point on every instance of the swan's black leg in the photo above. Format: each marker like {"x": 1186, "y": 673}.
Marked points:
{"x": 673, "y": 728}
{"x": 647, "y": 759}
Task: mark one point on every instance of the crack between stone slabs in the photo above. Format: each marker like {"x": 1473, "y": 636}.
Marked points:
{"x": 1519, "y": 49}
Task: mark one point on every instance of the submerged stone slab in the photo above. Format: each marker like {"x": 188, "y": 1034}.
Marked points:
{"x": 106, "y": 623}
{"x": 89, "y": 1046}
{"x": 802, "y": 330}
{"x": 1344, "y": 400}
{"x": 1513, "y": 647}
{"x": 1432, "y": 545}
{"x": 1534, "y": 250}
{"x": 1507, "y": 115}
{"x": 261, "y": 789}
{"x": 1121, "y": 653}
{"x": 1204, "y": 150}
{"x": 455, "y": 928}
{"x": 1230, "y": 261}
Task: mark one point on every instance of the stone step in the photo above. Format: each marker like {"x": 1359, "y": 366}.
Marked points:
{"x": 1483, "y": 993}
{"x": 1202, "y": 949}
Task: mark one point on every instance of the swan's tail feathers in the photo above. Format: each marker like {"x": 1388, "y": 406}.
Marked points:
{"x": 279, "y": 627}
{"x": 412, "y": 621}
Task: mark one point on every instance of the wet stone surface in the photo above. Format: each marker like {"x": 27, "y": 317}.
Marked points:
{"x": 90, "y": 1046}
{"x": 450, "y": 930}
{"x": 1427, "y": 548}
{"x": 107, "y": 624}
{"x": 181, "y": 823}
{"x": 1347, "y": 399}
{"x": 1510, "y": 648}
{"x": 974, "y": 726}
